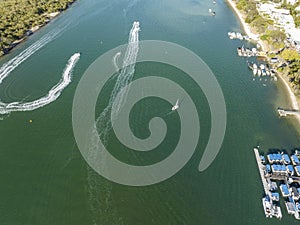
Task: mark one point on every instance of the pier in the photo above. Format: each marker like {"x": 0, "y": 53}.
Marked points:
{"x": 270, "y": 208}
{"x": 261, "y": 172}
{"x": 283, "y": 112}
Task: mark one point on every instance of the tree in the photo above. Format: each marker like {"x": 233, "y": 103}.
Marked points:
{"x": 290, "y": 55}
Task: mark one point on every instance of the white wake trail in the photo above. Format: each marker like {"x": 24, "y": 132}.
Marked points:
{"x": 8, "y": 67}
{"x": 52, "y": 95}
{"x": 125, "y": 76}
{"x": 115, "y": 60}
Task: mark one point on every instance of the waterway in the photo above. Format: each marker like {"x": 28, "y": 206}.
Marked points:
{"x": 44, "y": 178}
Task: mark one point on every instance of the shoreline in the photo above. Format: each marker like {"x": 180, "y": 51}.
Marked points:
{"x": 293, "y": 99}
{"x": 32, "y": 30}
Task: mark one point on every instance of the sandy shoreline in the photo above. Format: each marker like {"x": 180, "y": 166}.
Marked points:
{"x": 292, "y": 97}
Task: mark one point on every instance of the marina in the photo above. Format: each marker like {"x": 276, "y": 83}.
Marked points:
{"x": 247, "y": 52}
{"x": 262, "y": 70}
{"x": 260, "y": 66}
{"x": 237, "y": 35}
{"x": 279, "y": 170}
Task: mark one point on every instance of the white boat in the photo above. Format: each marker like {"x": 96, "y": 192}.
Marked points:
{"x": 254, "y": 71}
{"x": 239, "y": 35}
{"x": 231, "y": 35}
{"x": 176, "y": 106}
{"x": 210, "y": 10}
{"x": 259, "y": 72}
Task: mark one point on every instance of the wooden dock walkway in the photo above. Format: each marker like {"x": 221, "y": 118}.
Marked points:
{"x": 283, "y": 112}
{"x": 261, "y": 169}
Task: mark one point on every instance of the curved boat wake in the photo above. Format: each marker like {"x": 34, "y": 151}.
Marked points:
{"x": 52, "y": 95}
{"x": 8, "y": 67}
{"x": 115, "y": 60}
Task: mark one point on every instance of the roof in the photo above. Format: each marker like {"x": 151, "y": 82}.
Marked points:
{"x": 286, "y": 158}
{"x": 290, "y": 168}
{"x": 275, "y": 157}
{"x": 295, "y": 34}
{"x": 275, "y": 194}
{"x": 295, "y": 158}
{"x": 279, "y": 167}
{"x": 285, "y": 189}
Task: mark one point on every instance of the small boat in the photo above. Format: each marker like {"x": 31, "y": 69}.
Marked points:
{"x": 253, "y": 67}
{"x": 250, "y": 65}
{"x": 239, "y": 50}
{"x": 259, "y": 72}
{"x": 176, "y": 106}
{"x": 254, "y": 71}
{"x": 213, "y": 13}
{"x": 239, "y": 36}
{"x": 231, "y": 35}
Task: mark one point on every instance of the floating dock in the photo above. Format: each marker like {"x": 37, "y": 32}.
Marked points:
{"x": 270, "y": 208}
{"x": 284, "y": 112}
{"x": 261, "y": 169}
{"x": 280, "y": 168}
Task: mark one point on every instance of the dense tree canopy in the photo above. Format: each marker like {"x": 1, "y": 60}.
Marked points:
{"x": 18, "y": 16}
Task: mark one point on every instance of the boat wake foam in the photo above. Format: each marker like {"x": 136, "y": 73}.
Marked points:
{"x": 52, "y": 95}
{"x": 8, "y": 67}
{"x": 103, "y": 122}
{"x": 115, "y": 60}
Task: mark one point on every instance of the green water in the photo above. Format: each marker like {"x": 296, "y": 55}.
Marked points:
{"x": 45, "y": 180}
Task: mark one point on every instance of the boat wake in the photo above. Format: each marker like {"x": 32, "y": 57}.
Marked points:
{"x": 52, "y": 95}
{"x": 8, "y": 67}
{"x": 103, "y": 122}
{"x": 115, "y": 60}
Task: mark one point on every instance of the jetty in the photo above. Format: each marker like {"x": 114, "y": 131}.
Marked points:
{"x": 284, "y": 112}
{"x": 261, "y": 169}
{"x": 270, "y": 208}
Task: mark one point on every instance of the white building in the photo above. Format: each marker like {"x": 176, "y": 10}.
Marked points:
{"x": 292, "y": 2}
{"x": 282, "y": 18}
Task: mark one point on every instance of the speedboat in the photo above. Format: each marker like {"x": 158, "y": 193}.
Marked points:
{"x": 176, "y": 106}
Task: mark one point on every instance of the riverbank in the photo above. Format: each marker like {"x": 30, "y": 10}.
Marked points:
{"x": 19, "y": 28}
{"x": 294, "y": 100}
{"x": 246, "y": 27}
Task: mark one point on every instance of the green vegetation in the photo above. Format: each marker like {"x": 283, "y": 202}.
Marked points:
{"x": 19, "y": 16}
{"x": 275, "y": 38}
{"x": 292, "y": 70}
{"x": 263, "y": 26}
{"x": 290, "y": 55}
